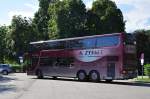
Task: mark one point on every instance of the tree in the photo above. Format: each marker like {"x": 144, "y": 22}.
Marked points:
{"x": 147, "y": 70}
{"x": 22, "y": 34}
{"x": 143, "y": 42}
{"x": 93, "y": 24}
{"x": 67, "y": 18}
{"x": 2, "y": 43}
{"x": 53, "y": 10}
{"x": 110, "y": 16}
{"x": 142, "y": 45}
{"x": 40, "y": 21}
{"x": 6, "y": 43}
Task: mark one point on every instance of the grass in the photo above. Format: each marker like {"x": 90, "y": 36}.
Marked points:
{"x": 145, "y": 79}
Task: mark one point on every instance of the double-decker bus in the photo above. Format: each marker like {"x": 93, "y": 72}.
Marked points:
{"x": 99, "y": 57}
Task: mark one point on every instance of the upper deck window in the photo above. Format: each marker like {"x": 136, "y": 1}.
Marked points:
{"x": 106, "y": 41}
{"x": 89, "y": 43}
{"x": 82, "y": 43}
{"x": 74, "y": 44}
{"x": 35, "y": 47}
{"x": 55, "y": 45}
{"x": 129, "y": 39}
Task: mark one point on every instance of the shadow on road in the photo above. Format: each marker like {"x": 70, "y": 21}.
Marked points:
{"x": 5, "y": 85}
{"x": 131, "y": 83}
{"x": 6, "y": 79}
{"x": 4, "y": 88}
{"x": 104, "y": 82}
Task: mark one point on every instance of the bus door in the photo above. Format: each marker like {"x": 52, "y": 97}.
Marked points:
{"x": 111, "y": 70}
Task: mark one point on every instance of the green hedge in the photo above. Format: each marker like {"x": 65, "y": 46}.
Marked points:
{"x": 16, "y": 68}
{"x": 147, "y": 70}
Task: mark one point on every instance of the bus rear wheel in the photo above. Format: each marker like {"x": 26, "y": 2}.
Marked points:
{"x": 81, "y": 75}
{"x": 94, "y": 76}
{"x": 39, "y": 74}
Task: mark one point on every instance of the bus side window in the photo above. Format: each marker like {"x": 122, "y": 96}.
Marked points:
{"x": 63, "y": 62}
{"x": 75, "y": 44}
{"x": 107, "y": 41}
{"x": 35, "y": 47}
{"x": 56, "y": 45}
{"x": 61, "y": 45}
{"x": 89, "y": 43}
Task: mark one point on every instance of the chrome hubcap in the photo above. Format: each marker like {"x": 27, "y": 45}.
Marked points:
{"x": 81, "y": 76}
{"x": 94, "y": 76}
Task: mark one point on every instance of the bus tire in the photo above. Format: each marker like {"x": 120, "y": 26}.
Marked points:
{"x": 39, "y": 74}
{"x": 81, "y": 75}
{"x": 94, "y": 76}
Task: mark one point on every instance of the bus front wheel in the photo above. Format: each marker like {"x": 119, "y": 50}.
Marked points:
{"x": 81, "y": 75}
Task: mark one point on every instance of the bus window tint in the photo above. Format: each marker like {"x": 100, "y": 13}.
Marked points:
{"x": 74, "y": 44}
{"x": 35, "y": 47}
{"x": 64, "y": 62}
{"x": 89, "y": 43}
{"x": 55, "y": 45}
{"x": 62, "y": 45}
{"x": 84, "y": 43}
{"x": 50, "y": 45}
{"x": 46, "y": 61}
{"x": 129, "y": 39}
{"x": 107, "y": 41}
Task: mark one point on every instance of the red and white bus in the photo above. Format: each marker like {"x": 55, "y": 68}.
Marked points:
{"x": 99, "y": 57}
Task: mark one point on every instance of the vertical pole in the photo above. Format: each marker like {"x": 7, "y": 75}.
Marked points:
{"x": 142, "y": 63}
{"x": 142, "y": 71}
{"x": 137, "y": 73}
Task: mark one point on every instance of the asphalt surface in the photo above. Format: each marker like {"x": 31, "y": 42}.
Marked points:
{"x": 20, "y": 86}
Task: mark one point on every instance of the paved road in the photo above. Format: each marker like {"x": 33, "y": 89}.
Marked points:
{"x": 69, "y": 89}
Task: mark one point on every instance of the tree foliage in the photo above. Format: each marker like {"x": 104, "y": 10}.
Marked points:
{"x": 22, "y": 34}
{"x": 143, "y": 43}
{"x": 109, "y": 15}
{"x": 70, "y": 18}
{"x": 40, "y": 21}
{"x": 147, "y": 70}
{"x": 93, "y": 23}
{"x": 54, "y": 8}
{"x": 6, "y": 43}
{"x": 67, "y": 18}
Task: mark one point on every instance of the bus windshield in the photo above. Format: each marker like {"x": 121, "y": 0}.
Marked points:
{"x": 129, "y": 39}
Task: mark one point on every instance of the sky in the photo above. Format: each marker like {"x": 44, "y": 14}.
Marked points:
{"x": 136, "y": 12}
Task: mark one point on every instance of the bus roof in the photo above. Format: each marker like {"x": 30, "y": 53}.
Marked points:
{"x": 75, "y": 38}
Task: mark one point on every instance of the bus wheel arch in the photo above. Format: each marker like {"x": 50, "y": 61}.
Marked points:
{"x": 81, "y": 75}
{"x": 39, "y": 74}
{"x": 94, "y": 75}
